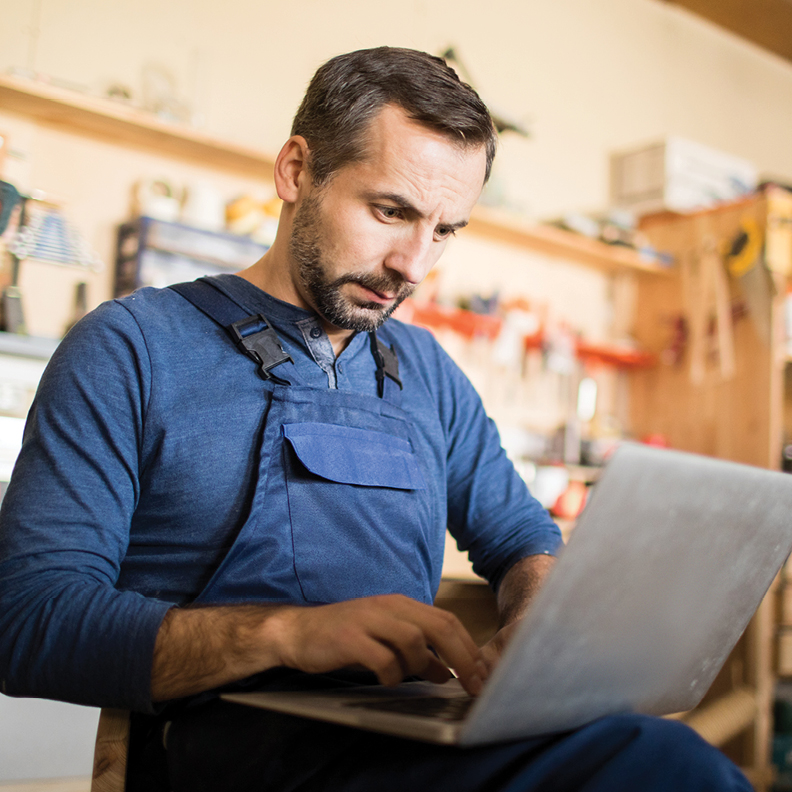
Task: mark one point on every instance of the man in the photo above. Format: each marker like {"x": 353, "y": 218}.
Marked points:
{"x": 175, "y": 524}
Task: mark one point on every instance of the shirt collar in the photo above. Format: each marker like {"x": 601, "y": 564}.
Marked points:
{"x": 296, "y": 322}
{"x": 258, "y": 301}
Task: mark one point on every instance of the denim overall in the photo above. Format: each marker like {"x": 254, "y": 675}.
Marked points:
{"x": 346, "y": 494}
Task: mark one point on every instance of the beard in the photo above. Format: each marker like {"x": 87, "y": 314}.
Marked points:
{"x": 305, "y": 246}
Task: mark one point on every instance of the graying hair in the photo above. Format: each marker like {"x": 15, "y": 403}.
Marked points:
{"x": 348, "y": 91}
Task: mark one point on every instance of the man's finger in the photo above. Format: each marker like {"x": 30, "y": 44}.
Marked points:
{"x": 435, "y": 671}
{"x": 457, "y": 650}
{"x": 442, "y": 629}
{"x": 415, "y": 633}
{"x": 382, "y": 661}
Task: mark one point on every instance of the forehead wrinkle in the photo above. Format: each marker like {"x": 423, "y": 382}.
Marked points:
{"x": 379, "y": 127}
{"x": 427, "y": 176}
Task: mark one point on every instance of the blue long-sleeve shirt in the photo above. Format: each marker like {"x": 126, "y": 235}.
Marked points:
{"x": 138, "y": 467}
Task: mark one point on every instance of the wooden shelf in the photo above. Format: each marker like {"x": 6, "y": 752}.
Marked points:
{"x": 117, "y": 122}
{"x": 120, "y": 123}
{"x": 559, "y": 243}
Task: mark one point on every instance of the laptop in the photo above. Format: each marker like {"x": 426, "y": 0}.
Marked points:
{"x": 668, "y": 562}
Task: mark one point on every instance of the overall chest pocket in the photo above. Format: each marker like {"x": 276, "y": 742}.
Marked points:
{"x": 359, "y": 511}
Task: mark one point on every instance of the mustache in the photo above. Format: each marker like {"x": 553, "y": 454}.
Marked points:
{"x": 385, "y": 284}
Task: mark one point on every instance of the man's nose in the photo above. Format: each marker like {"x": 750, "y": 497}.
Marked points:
{"x": 412, "y": 255}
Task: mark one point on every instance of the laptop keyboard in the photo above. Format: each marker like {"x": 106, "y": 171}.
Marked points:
{"x": 447, "y": 709}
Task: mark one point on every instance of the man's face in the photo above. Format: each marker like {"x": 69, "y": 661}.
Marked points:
{"x": 361, "y": 243}
{"x": 325, "y": 293}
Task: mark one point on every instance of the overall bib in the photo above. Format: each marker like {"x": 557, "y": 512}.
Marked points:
{"x": 345, "y": 502}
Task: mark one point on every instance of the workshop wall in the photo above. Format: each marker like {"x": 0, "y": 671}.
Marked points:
{"x": 586, "y": 76}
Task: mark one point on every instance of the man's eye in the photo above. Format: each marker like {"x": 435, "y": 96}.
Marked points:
{"x": 445, "y": 231}
{"x": 391, "y": 212}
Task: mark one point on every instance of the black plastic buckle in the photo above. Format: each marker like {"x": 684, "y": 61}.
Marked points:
{"x": 387, "y": 363}
{"x": 256, "y": 338}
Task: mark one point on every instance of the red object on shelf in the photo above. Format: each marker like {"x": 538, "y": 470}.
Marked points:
{"x": 535, "y": 341}
{"x": 473, "y": 325}
{"x": 466, "y": 323}
{"x": 571, "y": 502}
{"x": 620, "y": 357}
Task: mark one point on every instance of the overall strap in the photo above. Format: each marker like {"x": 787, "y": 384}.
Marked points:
{"x": 253, "y": 335}
{"x": 387, "y": 370}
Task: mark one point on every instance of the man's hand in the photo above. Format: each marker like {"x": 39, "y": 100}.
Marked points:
{"x": 515, "y": 594}
{"x": 393, "y": 636}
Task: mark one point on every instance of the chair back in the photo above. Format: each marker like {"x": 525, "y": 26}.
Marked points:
{"x": 110, "y": 752}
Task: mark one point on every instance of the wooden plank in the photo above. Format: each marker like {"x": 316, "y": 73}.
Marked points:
{"x": 126, "y": 125}
{"x": 767, "y": 23}
{"x": 725, "y": 718}
{"x": 760, "y": 677}
{"x": 737, "y": 419}
{"x": 110, "y": 752}
{"x": 49, "y": 785}
{"x": 560, "y": 243}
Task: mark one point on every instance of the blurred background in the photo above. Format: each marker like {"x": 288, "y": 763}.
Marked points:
{"x": 625, "y": 276}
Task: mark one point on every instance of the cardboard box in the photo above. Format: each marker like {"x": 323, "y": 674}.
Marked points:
{"x": 677, "y": 175}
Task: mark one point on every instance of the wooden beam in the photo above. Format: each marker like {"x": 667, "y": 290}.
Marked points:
{"x": 725, "y": 717}
{"x": 767, "y": 23}
{"x": 559, "y": 243}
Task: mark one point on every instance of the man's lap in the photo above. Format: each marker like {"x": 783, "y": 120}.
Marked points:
{"x": 223, "y": 746}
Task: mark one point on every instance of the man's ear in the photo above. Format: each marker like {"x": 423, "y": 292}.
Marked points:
{"x": 291, "y": 169}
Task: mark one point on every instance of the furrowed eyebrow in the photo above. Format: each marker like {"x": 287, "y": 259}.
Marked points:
{"x": 399, "y": 200}
{"x": 403, "y": 203}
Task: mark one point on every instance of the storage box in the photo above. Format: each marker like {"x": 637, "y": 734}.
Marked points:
{"x": 153, "y": 252}
{"x": 677, "y": 175}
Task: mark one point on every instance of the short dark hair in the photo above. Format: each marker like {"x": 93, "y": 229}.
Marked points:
{"x": 348, "y": 91}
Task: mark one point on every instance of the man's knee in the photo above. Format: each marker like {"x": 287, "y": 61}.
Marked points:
{"x": 664, "y": 751}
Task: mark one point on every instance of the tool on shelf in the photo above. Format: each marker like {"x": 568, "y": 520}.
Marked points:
{"x": 12, "y": 317}
{"x": 745, "y": 262}
{"x": 708, "y": 308}
{"x": 42, "y": 234}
